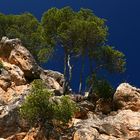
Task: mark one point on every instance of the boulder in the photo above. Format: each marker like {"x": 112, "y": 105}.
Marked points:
{"x": 21, "y": 57}
{"x": 86, "y": 134}
{"x": 127, "y": 97}
{"x": 59, "y": 77}
{"x": 104, "y": 106}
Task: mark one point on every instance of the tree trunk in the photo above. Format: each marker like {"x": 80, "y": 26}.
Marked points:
{"x": 81, "y": 75}
{"x": 65, "y": 72}
{"x": 70, "y": 68}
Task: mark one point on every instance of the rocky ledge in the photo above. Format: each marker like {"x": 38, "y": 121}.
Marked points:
{"x": 117, "y": 119}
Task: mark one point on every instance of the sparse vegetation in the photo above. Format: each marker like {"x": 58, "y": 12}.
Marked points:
{"x": 40, "y": 108}
{"x": 101, "y": 87}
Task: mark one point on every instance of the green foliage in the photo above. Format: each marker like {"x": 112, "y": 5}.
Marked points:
{"x": 101, "y": 87}
{"x": 65, "y": 109}
{"x": 27, "y": 28}
{"x": 40, "y": 108}
{"x": 82, "y": 34}
{"x": 111, "y": 59}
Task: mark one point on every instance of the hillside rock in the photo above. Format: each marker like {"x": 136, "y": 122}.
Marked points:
{"x": 127, "y": 97}
{"x": 123, "y": 125}
{"x": 9, "y": 119}
{"x": 95, "y": 119}
{"x": 19, "y": 70}
{"x": 59, "y": 77}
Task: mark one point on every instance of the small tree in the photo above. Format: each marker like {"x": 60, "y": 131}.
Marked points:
{"x": 82, "y": 34}
{"x": 41, "y": 109}
{"x": 100, "y": 87}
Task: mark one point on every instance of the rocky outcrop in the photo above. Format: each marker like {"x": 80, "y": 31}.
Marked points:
{"x": 18, "y": 71}
{"x": 16, "y": 54}
{"x": 96, "y": 118}
{"x": 124, "y": 125}
{"x": 127, "y": 97}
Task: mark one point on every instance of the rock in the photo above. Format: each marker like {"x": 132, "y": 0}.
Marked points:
{"x": 77, "y": 97}
{"x": 19, "y": 70}
{"x": 107, "y": 137}
{"x": 5, "y": 79}
{"x": 95, "y": 119}
{"x": 9, "y": 118}
{"x": 15, "y": 73}
{"x": 86, "y": 134}
{"x": 127, "y": 97}
{"x": 18, "y": 55}
{"x": 18, "y": 136}
{"x": 53, "y": 81}
{"x": 87, "y": 105}
{"x": 6, "y": 45}
{"x": 104, "y": 106}
{"x": 81, "y": 113}
{"x": 59, "y": 77}
{"x": 52, "y": 84}
{"x": 22, "y": 67}
{"x": 124, "y": 125}
{"x": 21, "y": 57}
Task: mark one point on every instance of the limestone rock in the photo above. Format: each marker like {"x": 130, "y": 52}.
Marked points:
{"x": 104, "y": 106}
{"x": 6, "y": 45}
{"x": 19, "y": 70}
{"x": 22, "y": 67}
{"x": 124, "y": 125}
{"x": 9, "y": 119}
{"x": 86, "y": 134}
{"x": 15, "y": 73}
{"x": 59, "y": 77}
{"x": 127, "y": 97}
{"x": 21, "y": 57}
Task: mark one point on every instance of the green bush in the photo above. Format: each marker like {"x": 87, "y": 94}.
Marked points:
{"x": 101, "y": 87}
{"x": 41, "y": 108}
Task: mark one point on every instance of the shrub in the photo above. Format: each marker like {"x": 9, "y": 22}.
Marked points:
{"x": 41, "y": 108}
{"x": 101, "y": 87}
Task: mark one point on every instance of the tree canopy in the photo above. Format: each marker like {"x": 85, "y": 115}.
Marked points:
{"x": 81, "y": 34}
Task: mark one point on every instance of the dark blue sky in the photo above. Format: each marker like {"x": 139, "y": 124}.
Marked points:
{"x": 123, "y": 19}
